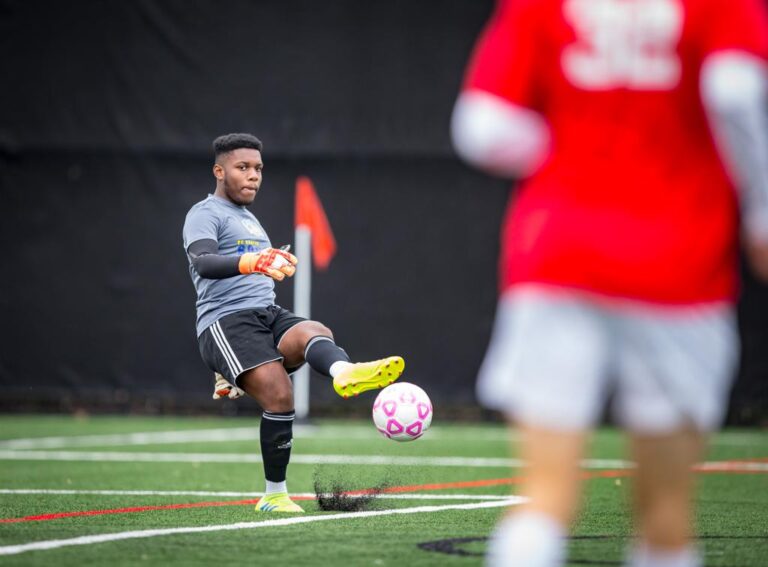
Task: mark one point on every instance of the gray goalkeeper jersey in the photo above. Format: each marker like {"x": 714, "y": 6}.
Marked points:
{"x": 237, "y": 231}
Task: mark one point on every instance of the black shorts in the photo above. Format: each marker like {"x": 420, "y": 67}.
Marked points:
{"x": 246, "y": 339}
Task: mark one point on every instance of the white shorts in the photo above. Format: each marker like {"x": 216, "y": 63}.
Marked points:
{"x": 556, "y": 355}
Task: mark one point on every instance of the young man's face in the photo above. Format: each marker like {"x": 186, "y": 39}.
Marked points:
{"x": 238, "y": 175}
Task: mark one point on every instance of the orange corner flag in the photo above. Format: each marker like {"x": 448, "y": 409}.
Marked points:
{"x": 310, "y": 214}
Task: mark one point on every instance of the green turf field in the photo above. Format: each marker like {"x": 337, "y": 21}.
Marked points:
{"x": 180, "y": 491}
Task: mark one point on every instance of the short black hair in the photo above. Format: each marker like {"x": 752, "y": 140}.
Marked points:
{"x": 231, "y": 142}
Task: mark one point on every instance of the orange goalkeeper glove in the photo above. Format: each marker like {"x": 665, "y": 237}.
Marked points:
{"x": 271, "y": 262}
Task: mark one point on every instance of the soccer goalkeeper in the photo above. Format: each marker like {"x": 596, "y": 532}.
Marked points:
{"x": 251, "y": 343}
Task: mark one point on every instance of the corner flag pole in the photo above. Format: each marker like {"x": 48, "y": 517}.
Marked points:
{"x": 302, "y": 293}
{"x": 315, "y": 245}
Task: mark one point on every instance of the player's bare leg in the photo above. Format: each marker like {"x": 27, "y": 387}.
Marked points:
{"x": 534, "y": 533}
{"x": 663, "y": 490}
{"x": 313, "y": 342}
{"x": 270, "y": 386}
{"x": 553, "y": 471}
{"x": 294, "y": 342}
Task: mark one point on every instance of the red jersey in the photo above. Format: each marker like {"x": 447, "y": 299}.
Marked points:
{"x": 633, "y": 200}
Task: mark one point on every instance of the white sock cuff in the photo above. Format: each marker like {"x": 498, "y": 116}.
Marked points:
{"x": 279, "y": 416}
{"x": 527, "y": 538}
{"x": 337, "y": 367}
{"x": 643, "y": 555}
{"x": 273, "y": 487}
{"x": 536, "y": 521}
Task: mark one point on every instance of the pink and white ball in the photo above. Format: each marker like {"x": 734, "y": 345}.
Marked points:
{"x": 402, "y": 412}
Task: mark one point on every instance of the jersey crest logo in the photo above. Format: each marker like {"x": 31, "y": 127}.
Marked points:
{"x": 253, "y": 227}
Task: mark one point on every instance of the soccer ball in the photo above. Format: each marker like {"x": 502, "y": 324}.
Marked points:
{"x": 402, "y": 412}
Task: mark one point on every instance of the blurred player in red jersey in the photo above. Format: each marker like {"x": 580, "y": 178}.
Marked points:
{"x": 640, "y": 129}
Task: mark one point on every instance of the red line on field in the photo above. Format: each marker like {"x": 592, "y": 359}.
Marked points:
{"x": 732, "y": 466}
{"x": 618, "y": 473}
{"x": 390, "y": 490}
{"x": 56, "y": 516}
{"x": 722, "y": 467}
{"x": 440, "y": 486}
{"x": 122, "y": 511}
{"x": 479, "y": 483}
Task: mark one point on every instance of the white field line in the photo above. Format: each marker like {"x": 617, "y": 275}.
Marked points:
{"x": 151, "y": 438}
{"x": 304, "y": 431}
{"x": 377, "y": 460}
{"x": 409, "y": 496}
{"x": 118, "y": 536}
{"x": 221, "y": 435}
{"x": 727, "y": 466}
{"x": 116, "y": 456}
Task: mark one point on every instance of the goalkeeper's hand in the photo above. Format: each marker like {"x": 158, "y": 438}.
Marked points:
{"x": 223, "y": 389}
{"x": 271, "y": 262}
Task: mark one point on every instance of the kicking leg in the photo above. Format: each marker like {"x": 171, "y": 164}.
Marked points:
{"x": 312, "y": 342}
{"x": 270, "y": 386}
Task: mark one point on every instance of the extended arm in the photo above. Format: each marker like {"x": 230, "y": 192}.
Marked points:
{"x": 210, "y": 264}
{"x": 734, "y": 88}
{"x": 498, "y": 136}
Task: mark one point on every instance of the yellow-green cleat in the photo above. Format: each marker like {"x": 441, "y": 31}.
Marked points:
{"x": 363, "y": 376}
{"x": 278, "y": 502}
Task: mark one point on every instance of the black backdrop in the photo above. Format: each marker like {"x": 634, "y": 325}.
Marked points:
{"x": 106, "y": 120}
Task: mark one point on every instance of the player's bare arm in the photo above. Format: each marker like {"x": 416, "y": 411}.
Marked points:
{"x": 497, "y": 136}
{"x": 734, "y": 88}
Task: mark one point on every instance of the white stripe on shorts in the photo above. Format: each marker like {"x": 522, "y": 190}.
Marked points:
{"x": 221, "y": 341}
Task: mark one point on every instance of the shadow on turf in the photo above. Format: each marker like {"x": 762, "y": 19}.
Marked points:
{"x": 333, "y": 496}
{"x": 453, "y": 546}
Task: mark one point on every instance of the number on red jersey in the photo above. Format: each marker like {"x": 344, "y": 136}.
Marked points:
{"x": 623, "y": 44}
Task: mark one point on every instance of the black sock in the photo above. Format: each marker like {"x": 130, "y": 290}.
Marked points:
{"x": 321, "y": 352}
{"x": 276, "y": 434}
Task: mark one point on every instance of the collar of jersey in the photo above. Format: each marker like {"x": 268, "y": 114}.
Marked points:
{"x": 226, "y": 202}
